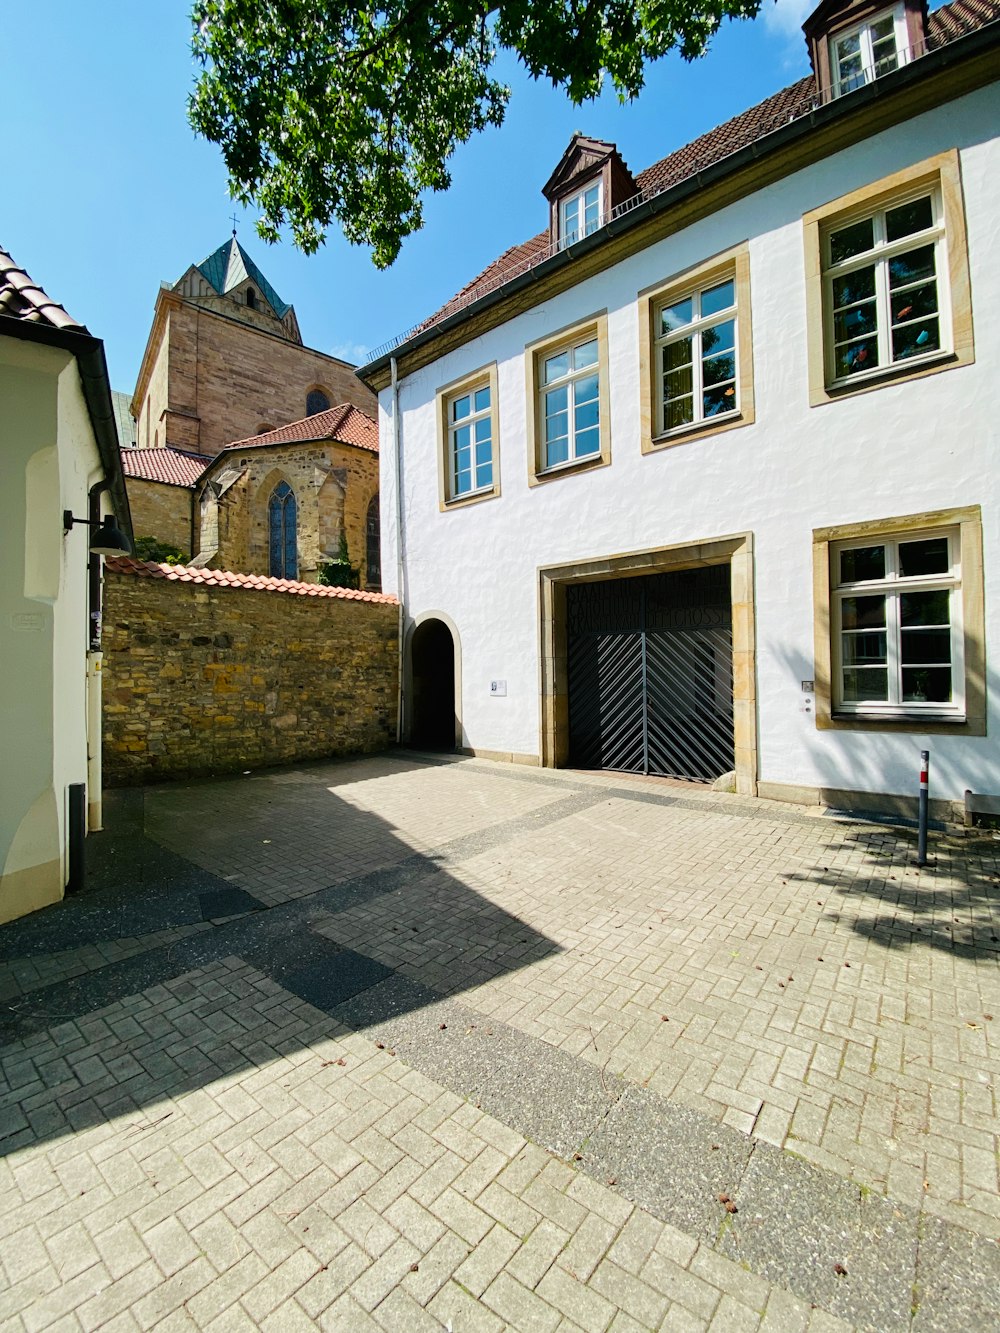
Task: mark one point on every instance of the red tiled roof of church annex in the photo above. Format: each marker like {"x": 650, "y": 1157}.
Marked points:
{"x": 20, "y": 298}
{"x": 344, "y": 423}
{"x": 173, "y": 467}
{"x": 943, "y": 25}
{"x": 223, "y": 578}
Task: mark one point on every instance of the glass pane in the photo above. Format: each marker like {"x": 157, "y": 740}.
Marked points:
{"x": 925, "y": 608}
{"x": 585, "y": 355}
{"x": 676, "y": 316}
{"x": 714, "y": 299}
{"x": 556, "y": 400}
{"x": 908, "y": 218}
{"x": 588, "y": 442}
{"x": 866, "y": 685}
{"x": 483, "y": 431}
{"x": 864, "y": 649}
{"x": 853, "y": 358}
{"x": 677, "y": 354}
{"x": 463, "y": 460}
{"x": 926, "y": 645}
{"x": 928, "y": 556}
{"x": 862, "y": 562}
{"x": 852, "y": 240}
{"x": 862, "y": 613}
{"x": 463, "y": 482}
{"x": 556, "y": 451}
{"x": 482, "y": 399}
{"x": 483, "y": 453}
{"x": 881, "y": 28}
{"x": 913, "y": 339}
{"x": 586, "y": 389}
{"x": 484, "y": 474}
{"x": 557, "y": 427}
{"x": 927, "y": 685}
{"x": 914, "y": 266}
{"x": 854, "y": 287}
{"x": 586, "y": 415}
{"x": 678, "y": 383}
{"x": 461, "y": 437}
{"x": 555, "y": 367}
{"x": 678, "y": 412}
{"x": 884, "y": 54}
{"x": 719, "y": 368}
{"x": 460, "y": 408}
{"x": 720, "y": 399}
{"x": 719, "y": 338}
{"x": 852, "y": 74}
{"x": 854, "y": 322}
{"x": 914, "y": 302}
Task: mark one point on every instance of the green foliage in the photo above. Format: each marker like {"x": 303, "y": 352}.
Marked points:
{"x": 339, "y": 573}
{"x": 327, "y": 111}
{"x": 151, "y": 548}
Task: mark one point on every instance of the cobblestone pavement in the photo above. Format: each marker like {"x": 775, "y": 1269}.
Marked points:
{"x": 408, "y": 1044}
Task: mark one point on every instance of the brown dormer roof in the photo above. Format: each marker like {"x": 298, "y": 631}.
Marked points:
{"x": 944, "y": 25}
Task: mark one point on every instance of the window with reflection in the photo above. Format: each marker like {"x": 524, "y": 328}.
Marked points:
{"x": 897, "y": 625}
{"x": 580, "y": 214}
{"x": 866, "y": 52}
{"x": 696, "y": 356}
{"x": 882, "y": 284}
{"x": 470, "y": 441}
{"x": 282, "y": 543}
{"x": 570, "y": 403}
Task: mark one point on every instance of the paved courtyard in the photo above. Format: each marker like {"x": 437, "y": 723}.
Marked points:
{"x": 408, "y": 1044}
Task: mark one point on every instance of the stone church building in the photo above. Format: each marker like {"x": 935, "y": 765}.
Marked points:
{"x": 252, "y": 452}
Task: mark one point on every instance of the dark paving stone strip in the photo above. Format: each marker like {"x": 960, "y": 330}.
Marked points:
{"x": 794, "y": 1222}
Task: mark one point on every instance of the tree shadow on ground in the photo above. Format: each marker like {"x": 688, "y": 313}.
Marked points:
{"x": 951, "y": 904}
{"x": 402, "y": 932}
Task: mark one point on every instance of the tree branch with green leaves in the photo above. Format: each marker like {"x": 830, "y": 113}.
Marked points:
{"x": 329, "y": 113}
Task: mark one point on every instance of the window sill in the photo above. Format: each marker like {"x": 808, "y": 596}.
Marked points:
{"x": 471, "y": 497}
{"x": 696, "y": 430}
{"x": 572, "y": 465}
{"x": 886, "y": 375}
{"x": 954, "y": 724}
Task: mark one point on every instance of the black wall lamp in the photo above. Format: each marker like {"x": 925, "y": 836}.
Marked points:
{"x": 107, "y": 540}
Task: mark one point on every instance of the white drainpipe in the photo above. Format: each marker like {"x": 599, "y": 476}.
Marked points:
{"x": 398, "y": 477}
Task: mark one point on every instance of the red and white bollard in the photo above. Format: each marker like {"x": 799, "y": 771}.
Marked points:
{"x": 925, "y": 760}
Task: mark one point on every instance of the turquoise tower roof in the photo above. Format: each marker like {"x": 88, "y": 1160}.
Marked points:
{"x": 230, "y": 265}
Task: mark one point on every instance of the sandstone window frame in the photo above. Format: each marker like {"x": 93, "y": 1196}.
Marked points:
{"x": 941, "y": 175}
{"x": 966, "y": 525}
{"x": 466, "y": 385}
{"x": 592, "y": 328}
{"x": 732, "y": 263}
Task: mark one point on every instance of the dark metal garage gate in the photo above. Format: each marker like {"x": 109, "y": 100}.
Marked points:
{"x": 651, "y": 674}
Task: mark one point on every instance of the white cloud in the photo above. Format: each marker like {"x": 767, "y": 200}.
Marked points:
{"x": 356, "y": 353}
{"x": 785, "y": 17}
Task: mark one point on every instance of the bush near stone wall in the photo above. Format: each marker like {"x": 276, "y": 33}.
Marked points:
{"x": 202, "y": 679}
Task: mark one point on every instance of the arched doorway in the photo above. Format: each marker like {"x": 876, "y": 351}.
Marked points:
{"x": 432, "y": 655}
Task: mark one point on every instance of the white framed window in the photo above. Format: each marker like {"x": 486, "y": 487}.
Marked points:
{"x": 570, "y": 402}
{"x": 696, "y": 356}
{"x": 580, "y": 214}
{"x": 885, "y": 276}
{"x": 896, "y": 606}
{"x": 866, "y": 52}
{"x": 470, "y": 441}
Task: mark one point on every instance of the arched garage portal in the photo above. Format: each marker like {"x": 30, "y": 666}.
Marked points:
{"x": 435, "y": 684}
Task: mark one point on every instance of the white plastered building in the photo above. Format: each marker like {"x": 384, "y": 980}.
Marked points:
{"x": 702, "y": 480}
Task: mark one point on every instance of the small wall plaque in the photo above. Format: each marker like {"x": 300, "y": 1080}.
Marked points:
{"x": 808, "y": 687}
{"x": 29, "y": 621}
{"x": 498, "y": 689}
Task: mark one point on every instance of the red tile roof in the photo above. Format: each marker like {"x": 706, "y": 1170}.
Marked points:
{"x": 943, "y": 25}
{"x": 221, "y": 578}
{"x": 23, "y": 299}
{"x": 173, "y": 467}
{"x": 345, "y": 423}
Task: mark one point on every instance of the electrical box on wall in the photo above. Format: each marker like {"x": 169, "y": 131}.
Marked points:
{"x": 498, "y": 689}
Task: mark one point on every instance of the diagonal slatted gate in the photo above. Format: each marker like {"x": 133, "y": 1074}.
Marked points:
{"x": 650, "y": 665}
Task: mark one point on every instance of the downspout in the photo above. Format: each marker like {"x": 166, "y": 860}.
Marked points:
{"x": 398, "y": 479}
{"x": 95, "y": 664}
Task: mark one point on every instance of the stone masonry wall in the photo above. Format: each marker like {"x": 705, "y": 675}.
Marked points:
{"x": 201, "y": 680}
{"x": 333, "y": 485}
{"x": 161, "y": 511}
{"x": 226, "y": 380}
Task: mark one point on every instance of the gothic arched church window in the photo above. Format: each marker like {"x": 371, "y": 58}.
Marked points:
{"x": 316, "y": 401}
{"x": 282, "y": 533}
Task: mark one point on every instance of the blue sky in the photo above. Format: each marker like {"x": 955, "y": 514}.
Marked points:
{"x": 107, "y": 192}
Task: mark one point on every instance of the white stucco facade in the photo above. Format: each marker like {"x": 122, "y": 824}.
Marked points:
{"x": 50, "y": 462}
{"x": 903, "y": 448}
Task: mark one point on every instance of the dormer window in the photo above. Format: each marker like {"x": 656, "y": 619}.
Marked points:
{"x": 868, "y": 51}
{"x": 580, "y": 214}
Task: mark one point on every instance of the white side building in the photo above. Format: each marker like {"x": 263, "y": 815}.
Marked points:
{"x": 704, "y": 478}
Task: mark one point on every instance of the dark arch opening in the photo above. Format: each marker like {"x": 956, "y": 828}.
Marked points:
{"x": 432, "y": 653}
{"x": 251, "y": 298}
